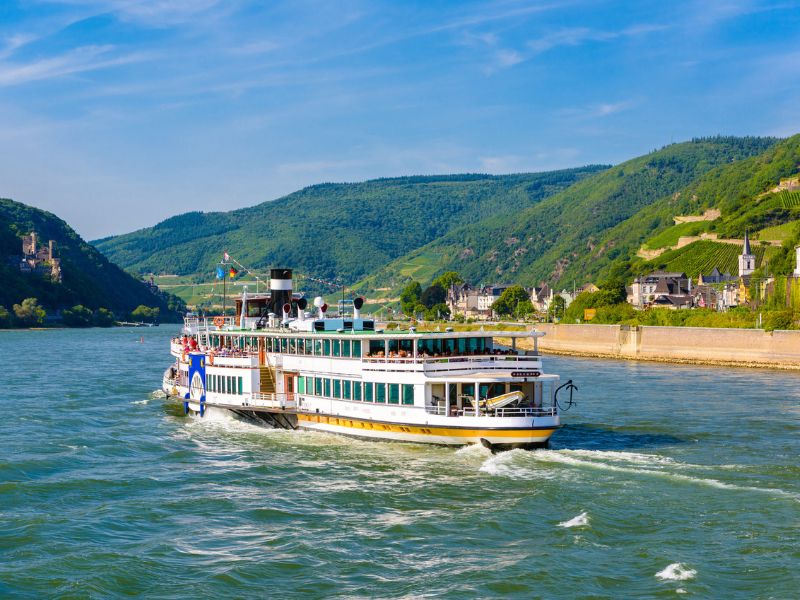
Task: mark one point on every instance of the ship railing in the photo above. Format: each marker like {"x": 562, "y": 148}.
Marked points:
{"x": 516, "y": 411}
{"x": 437, "y": 360}
{"x": 271, "y": 400}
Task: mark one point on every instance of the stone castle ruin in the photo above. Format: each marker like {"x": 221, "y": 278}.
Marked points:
{"x": 37, "y": 259}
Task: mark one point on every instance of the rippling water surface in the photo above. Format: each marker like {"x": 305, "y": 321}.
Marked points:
{"x": 667, "y": 480}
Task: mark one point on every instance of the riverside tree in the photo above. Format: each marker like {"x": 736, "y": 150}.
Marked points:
{"x": 29, "y": 312}
{"x": 514, "y": 301}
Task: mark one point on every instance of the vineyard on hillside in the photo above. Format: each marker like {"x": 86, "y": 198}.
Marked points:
{"x": 790, "y": 199}
{"x": 702, "y": 256}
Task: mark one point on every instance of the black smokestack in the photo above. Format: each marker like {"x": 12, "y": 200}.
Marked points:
{"x": 280, "y": 284}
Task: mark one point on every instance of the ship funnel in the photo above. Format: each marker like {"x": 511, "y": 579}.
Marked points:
{"x": 319, "y": 302}
{"x": 301, "y": 309}
{"x": 357, "y": 304}
{"x": 280, "y": 285}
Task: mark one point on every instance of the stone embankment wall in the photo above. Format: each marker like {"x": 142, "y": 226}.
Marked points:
{"x": 740, "y": 347}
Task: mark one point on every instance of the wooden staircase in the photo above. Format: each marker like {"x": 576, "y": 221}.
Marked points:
{"x": 267, "y": 380}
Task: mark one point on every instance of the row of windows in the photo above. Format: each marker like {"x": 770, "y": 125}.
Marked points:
{"x": 305, "y": 346}
{"x": 359, "y": 391}
{"x": 340, "y": 348}
{"x": 224, "y": 384}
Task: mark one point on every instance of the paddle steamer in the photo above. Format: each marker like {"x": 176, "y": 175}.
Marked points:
{"x": 281, "y": 365}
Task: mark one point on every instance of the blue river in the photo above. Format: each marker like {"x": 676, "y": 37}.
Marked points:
{"x": 667, "y": 481}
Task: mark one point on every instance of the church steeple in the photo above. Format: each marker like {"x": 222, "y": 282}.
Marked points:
{"x": 747, "y": 261}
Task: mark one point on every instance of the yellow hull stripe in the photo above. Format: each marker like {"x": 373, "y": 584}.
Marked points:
{"x": 422, "y": 430}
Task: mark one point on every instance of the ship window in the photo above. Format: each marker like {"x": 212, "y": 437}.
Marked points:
{"x": 346, "y": 387}
{"x": 301, "y": 385}
{"x": 284, "y": 345}
{"x": 337, "y": 388}
{"x": 337, "y": 348}
{"x": 468, "y": 389}
{"x": 393, "y": 346}
{"x": 318, "y": 386}
{"x": 408, "y": 394}
{"x": 326, "y": 347}
{"x": 318, "y": 347}
{"x": 394, "y": 393}
{"x": 345, "y": 347}
{"x": 240, "y": 385}
{"x": 407, "y": 346}
{"x": 368, "y": 392}
{"x": 357, "y": 348}
{"x": 292, "y": 345}
{"x": 327, "y": 387}
{"x": 377, "y": 348}
{"x": 357, "y": 391}
{"x": 380, "y": 392}
{"x": 309, "y": 346}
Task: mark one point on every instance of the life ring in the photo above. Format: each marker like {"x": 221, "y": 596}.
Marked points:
{"x": 219, "y": 322}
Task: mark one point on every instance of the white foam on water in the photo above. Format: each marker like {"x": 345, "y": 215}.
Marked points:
{"x": 504, "y": 464}
{"x": 157, "y": 394}
{"x": 473, "y": 450}
{"x": 629, "y": 457}
{"x": 565, "y": 457}
{"x": 580, "y": 521}
{"x": 676, "y": 572}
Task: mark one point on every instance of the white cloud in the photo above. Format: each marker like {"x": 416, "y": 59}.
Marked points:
{"x": 79, "y": 60}
{"x": 594, "y": 111}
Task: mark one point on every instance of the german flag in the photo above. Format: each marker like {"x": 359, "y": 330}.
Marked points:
{"x": 233, "y": 273}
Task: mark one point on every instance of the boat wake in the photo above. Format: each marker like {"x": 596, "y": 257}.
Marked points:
{"x": 523, "y": 464}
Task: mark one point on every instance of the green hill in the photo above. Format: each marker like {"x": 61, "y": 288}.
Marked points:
{"x": 738, "y": 189}
{"x": 334, "y": 230}
{"x": 88, "y": 276}
{"x": 566, "y": 237}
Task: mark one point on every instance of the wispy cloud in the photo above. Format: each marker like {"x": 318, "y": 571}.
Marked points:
{"x": 157, "y": 13}
{"x": 79, "y": 60}
{"x": 577, "y": 36}
{"x": 595, "y": 111}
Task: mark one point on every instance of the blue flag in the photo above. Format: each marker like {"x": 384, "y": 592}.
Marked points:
{"x": 220, "y": 273}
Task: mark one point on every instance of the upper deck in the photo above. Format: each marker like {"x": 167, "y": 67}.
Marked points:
{"x": 445, "y": 352}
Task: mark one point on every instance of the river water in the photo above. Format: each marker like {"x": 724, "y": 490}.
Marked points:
{"x": 667, "y": 481}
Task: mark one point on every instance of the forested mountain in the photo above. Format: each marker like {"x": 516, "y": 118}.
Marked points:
{"x": 566, "y": 237}
{"x": 334, "y": 230}
{"x": 88, "y": 277}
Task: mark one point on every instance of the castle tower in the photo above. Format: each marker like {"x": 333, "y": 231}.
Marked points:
{"x": 50, "y": 247}
{"x": 747, "y": 261}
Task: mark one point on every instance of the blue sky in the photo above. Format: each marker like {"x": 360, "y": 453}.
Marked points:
{"x": 115, "y": 114}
